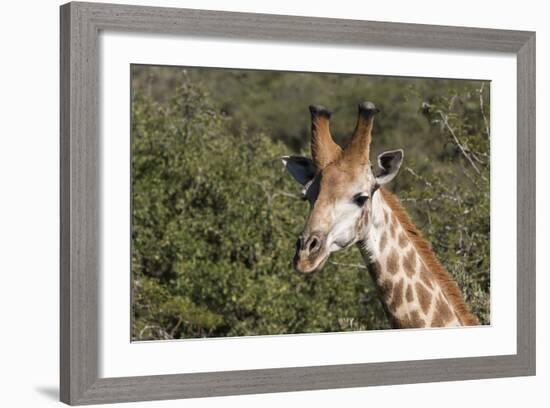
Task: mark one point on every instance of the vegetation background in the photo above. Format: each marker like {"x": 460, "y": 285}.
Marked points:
{"x": 215, "y": 217}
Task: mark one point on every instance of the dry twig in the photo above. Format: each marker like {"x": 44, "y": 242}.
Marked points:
{"x": 457, "y": 142}
{"x": 482, "y": 109}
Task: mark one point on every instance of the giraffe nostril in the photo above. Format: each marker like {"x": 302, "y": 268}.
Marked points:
{"x": 313, "y": 244}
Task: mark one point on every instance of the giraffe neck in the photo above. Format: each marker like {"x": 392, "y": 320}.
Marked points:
{"x": 415, "y": 289}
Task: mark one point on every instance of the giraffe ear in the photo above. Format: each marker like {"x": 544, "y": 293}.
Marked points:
{"x": 301, "y": 168}
{"x": 389, "y": 163}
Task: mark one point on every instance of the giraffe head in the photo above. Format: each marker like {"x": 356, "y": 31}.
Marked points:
{"x": 339, "y": 185}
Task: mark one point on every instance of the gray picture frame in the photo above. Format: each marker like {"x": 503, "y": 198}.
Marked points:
{"x": 81, "y": 24}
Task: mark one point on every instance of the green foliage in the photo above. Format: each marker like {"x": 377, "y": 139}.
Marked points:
{"x": 215, "y": 217}
{"x": 452, "y": 205}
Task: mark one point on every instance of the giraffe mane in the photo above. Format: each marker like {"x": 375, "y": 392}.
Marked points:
{"x": 441, "y": 275}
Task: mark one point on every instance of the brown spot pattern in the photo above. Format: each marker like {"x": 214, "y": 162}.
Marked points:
{"x": 409, "y": 263}
{"x": 392, "y": 262}
{"x": 437, "y": 272}
{"x": 412, "y": 320}
{"x": 383, "y": 241}
{"x": 397, "y": 298}
{"x": 403, "y": 240}
{"x": 386, "y": 289}
{"x": 442, "y": 313}
{"x": 424, "y": 297}
{"x": 409, "y": 294}
{"x": 416, "y": 320}
{"x": 374, "y": 270}
{"x": 424, "y": 276}
{"x": 386, "y": 218}
{"x": 392, "y": 228}
{"x": 436, "y": 322}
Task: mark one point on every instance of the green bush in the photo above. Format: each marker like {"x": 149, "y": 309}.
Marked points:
{"x": 215, "y": 217}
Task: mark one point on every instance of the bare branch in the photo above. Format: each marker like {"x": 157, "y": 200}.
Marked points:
{"x": 161, "y": 332}
{"x": 286, "y": 194}
{"x": 482, "y": 109}
{"x": 457, "y": 142}
{"x": 429, "y": 200}
{"x": 176, "y": 327}
{"x": 419, "y": 177}
{"x": 271, "y": 196}
{"x": 358, "y": 266}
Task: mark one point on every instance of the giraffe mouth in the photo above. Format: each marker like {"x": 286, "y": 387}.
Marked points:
{"x": 346, "y": 245}
{"x": 307, "y": 265}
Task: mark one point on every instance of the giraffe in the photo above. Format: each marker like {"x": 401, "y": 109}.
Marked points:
{"x": 349, "y": 205}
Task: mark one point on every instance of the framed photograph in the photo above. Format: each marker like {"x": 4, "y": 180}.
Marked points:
{"x": 261, "y": 203}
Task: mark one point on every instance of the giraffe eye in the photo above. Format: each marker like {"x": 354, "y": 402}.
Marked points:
{"x": 360, "y": 199}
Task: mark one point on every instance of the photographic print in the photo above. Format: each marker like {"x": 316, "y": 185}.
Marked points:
{"x": 269, "y": 203}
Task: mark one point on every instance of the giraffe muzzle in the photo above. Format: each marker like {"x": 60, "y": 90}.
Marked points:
{"x": 310, "y": 254}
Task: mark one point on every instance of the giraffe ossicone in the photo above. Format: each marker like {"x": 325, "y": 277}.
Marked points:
{"x": 350, "y": 206}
